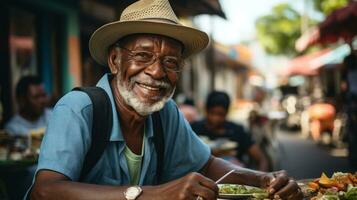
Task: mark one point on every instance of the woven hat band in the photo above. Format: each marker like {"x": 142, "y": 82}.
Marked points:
{"x": 160, "y": 20}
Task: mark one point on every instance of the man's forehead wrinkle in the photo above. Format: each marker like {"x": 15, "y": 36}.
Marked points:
{"x": 145, "y": 43}
{"x": 151, "y": 41}
{"x": 158, "y": 42}
{"x": 147, "y": 40}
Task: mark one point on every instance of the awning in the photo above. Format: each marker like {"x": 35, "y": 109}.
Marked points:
{"x": 310, "y": 64}
{"x": 197, "y": 7}
{"x": 342, "y": 23}
{"x": 239, "y": 54}
{"x": 221, "y": 58}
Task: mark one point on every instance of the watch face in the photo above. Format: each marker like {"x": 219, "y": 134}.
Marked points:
{"x": 132, "y": 192}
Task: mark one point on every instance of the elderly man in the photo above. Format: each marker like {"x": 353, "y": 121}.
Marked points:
{"x": 145, "y": 52}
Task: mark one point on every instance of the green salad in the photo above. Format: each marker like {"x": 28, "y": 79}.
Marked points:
{"x": 350, "y": 194}
{"x": 234, "y": 189}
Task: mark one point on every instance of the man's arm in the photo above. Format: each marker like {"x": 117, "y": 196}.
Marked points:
{"x": 50, "y": 185}
{"x": 278, "y": 184}
{"x": 217, "y": 167}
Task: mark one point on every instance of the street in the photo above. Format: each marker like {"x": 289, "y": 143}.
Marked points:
{"x": 302, "y": 158}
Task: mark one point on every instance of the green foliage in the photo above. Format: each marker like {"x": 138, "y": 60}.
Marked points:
{"x": 327, "y": 6}
{"x": 277, "y": 32}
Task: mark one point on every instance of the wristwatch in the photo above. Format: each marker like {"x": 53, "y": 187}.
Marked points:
{"x": 132, "y": 193}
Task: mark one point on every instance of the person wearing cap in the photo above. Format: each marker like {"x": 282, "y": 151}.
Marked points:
{"x": 144, "y": 50}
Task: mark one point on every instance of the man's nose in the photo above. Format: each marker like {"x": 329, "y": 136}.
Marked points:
{"x": 156, "y": 70}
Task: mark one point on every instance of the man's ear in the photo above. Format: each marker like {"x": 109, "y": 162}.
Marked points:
{"x": 114, "y": 60}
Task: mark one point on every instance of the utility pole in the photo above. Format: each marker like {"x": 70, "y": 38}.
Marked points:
{"x": 305, "y": 17}
{"x": 210, "y": 56}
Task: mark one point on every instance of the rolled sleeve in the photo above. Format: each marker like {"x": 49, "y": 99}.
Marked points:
{"x": 67, "y": 139}
{"x": 184, "y": 151}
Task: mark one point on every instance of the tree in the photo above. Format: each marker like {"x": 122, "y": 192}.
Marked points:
{"x": 277, "y": 32}
{"x": 327, "y": 6}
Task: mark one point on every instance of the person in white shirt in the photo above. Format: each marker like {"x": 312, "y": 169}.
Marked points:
{"x": 32, "y": 117}
{"x": 32, "y": 101}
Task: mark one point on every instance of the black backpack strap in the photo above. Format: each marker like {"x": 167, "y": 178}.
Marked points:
{"x": 101, "y": 126}
{"x": 159, "y": 144}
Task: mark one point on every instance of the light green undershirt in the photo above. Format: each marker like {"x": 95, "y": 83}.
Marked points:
{"x": 134, "y": 164}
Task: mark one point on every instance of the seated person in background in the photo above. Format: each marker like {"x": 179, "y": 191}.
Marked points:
{"x": 215, "y": 126}
{"x": 31, "y": 118}
{"x": 32, "y": 101}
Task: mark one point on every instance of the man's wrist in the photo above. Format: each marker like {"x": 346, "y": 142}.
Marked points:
{"x": 251, "y": 177}
{"x": 149, "y": 193}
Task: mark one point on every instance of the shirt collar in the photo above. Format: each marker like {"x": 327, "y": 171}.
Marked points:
{"x": 116, "y": 134}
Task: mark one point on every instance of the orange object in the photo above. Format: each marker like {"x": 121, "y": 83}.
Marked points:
{"x": 330, "y": 183}
{"x": 326, "y": 181}
{"x": 313, "y": 186}
{"x": 322, "y": 111}
{"x": 352, "y": 178}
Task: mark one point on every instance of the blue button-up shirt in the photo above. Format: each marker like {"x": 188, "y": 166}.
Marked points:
{"x": 68, "y": 138}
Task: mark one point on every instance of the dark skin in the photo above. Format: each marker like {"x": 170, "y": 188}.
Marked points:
{"x": 53, "y": 185}
{"x": 132, "y": 124}
{"x": 216, "y": 116}
{"x": 33, "y": 103}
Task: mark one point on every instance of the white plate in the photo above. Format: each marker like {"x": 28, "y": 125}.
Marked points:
{"x": 234, "y": 196}
{"x": 237, "y": 196}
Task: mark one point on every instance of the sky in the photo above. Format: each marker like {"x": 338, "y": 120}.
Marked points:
{"x": 240, "y": 27}
{"x": 241, "y": 17}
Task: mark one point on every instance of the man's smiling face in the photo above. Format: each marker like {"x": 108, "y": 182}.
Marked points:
{"x": 148, "y": 70}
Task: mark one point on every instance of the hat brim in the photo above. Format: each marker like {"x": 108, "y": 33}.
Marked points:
{"x": 193, "y": 40}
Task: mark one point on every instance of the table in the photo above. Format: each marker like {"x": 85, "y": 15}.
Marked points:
{"x": 9, "y": 168}
{"x": 12, "y": 165}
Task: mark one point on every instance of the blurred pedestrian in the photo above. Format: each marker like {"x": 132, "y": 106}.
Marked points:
{"x": 322, "y": 116}
{"x": 32, "y": 113}
{"x": 216, "y": 126}
{"x": 144, "y": 51}
{"x": 349, "y": 80}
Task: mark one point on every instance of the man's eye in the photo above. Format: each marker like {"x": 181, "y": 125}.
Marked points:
{"x": 143, "y": 55}
{"x": 171, "y": 61}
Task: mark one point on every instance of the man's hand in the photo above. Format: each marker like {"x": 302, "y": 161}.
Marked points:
{"x": 280, "y": 186}
{"x": 188, "y": 187}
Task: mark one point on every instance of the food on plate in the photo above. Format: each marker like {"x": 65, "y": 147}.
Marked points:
{"x": 341, "y": 186}
{"x": 234, "y": 189}
{"x": 351, "y": 192}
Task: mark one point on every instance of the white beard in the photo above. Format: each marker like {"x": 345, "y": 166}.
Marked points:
{"x": 132, "y": 100}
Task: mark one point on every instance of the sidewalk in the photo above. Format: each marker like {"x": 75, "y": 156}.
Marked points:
{"x": 302, "y": 158}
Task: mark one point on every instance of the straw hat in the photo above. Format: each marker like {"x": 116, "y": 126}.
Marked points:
{"x": 146, "y": 16}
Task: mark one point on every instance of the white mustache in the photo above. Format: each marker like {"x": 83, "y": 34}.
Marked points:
{"x": 151, "y": 82}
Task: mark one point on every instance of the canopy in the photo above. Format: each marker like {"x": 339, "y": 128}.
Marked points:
{"x": 309, "y": 64}
{"x": 304, "y": 65}
{"x": 342, "y": 23}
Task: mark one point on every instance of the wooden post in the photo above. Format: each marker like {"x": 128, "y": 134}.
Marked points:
{"x": 211, "y": 57}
